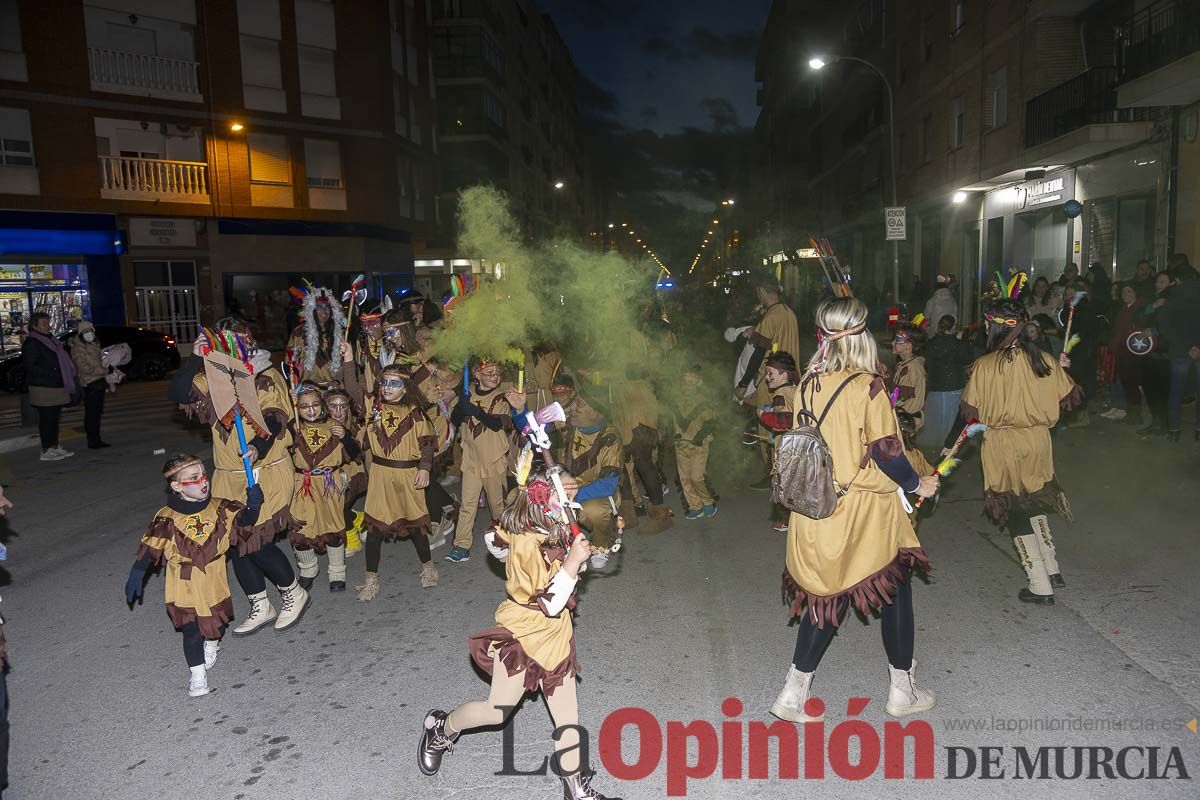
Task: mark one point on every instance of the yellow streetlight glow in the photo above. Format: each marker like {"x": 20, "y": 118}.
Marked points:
{"x": 236, "y": 127}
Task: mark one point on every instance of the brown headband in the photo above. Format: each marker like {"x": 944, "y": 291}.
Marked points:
{"x": 178, "y": 468}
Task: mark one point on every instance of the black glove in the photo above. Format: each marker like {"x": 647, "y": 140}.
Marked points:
{"x": 254, "y": 498}
{"x": 133, "y": 586}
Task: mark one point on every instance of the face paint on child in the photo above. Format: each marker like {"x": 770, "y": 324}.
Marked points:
{"x": 310, "y": 407}
{"x": 391, "y": 389}
{"x": 191, "y": 483}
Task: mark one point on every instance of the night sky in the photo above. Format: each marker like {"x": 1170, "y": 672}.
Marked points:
{"x": 667, "y": 92}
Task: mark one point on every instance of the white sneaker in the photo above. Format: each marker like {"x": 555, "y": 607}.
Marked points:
{"x": 443, "y": 530}
{"x": 198, "y": 683}
{"x": 789, "y": 704}
{"x": 293, "y": 600}
{"x": 53, "y": 454}
{"x": 211, "y": 648}
{"x": 904, "y": 696}
{"x": 64, "y": 452}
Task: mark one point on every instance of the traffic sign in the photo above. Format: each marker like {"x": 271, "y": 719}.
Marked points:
{"x": 896, "y": 223}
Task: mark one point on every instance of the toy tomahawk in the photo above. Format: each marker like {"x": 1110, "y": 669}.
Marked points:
{"x": 235, "y": 400}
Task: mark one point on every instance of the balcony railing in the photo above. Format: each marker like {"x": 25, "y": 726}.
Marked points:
{"x": 137, "y": 73}
{"x": 1089, "y": 98}
{"x": 1157, "y": 35}
{"x": 127, "y": 178}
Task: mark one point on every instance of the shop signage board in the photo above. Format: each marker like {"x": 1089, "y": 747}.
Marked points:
{"x": 162, "y": 232}
{"x": 1052, "y": 190}
{"x": 895, "y": 223}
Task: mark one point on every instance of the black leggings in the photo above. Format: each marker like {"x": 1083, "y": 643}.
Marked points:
{"x": 897, "y": 625}
{"x": 253, "y": 571}
{"x": 642, "y": 452}
{"x": 436, "y": 498}
{"x": 48, "y": 417}
{"x": 193, "y": 643}
{"x": 375, "y": 549}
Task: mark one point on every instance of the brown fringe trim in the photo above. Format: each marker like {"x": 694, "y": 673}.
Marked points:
{"x": 997, "y": 505}
{"x": 515, "y": 659}
{"x": 256, "y": 537}
{"x": 356, "y": 488}
{"x": 210, "y": 624}
{"x": 318, "y": 543}
{"x": 872, "y": 592}
{"x": 400, "y": 529}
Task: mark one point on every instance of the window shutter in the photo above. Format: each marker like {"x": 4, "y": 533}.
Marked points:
{"x": 269, "y": 161}
{"x": 323, "y": 163}
{"x": 316, "y": 71}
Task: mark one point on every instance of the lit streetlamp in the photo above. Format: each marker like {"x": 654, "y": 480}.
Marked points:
{"x": 817, "y": 63}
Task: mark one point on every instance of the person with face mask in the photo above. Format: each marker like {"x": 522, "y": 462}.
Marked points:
{"x": 85, "y": 352}
{"x": 51, "y": 377}
{"x": 321, "y": 447}
{"x": 190, "y": 535}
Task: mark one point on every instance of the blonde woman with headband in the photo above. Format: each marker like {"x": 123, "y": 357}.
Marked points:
{"x": 865, "y": 551}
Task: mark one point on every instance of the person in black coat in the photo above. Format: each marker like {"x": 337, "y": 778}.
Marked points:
{"x": 50, "y": 376}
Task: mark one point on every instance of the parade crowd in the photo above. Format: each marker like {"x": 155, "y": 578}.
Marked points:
{"x": 363, "y": 437}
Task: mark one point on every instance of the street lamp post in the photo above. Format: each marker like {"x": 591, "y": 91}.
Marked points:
{"x": 819, "y": 63}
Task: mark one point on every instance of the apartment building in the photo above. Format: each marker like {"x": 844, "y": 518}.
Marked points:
{"x": 508, "y": 118}
{"x": 166, "y": 162}
{"x": 1027, "y": 133}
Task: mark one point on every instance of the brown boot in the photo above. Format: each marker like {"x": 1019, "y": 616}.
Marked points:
{"x": 629, "y": 514}
{"x": 658, "y": 519}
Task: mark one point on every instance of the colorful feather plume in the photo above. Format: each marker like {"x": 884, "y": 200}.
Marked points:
{"x": 895, "y": 396}
{"x": 975, "y": 428}
{"x": 919, "y": 320}
{"x": 1079, "y": 295}
{"x": 1017, "y": 284}
{"x": 1070, "y": 345}
{"x": 947, "y": 465}
{"x": 297, "y": 293}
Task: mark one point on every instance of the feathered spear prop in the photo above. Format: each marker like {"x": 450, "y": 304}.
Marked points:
{"x": 951, "y": 461}
{"x": 1016, "y": 285}
{"x": 1079, "y": 295}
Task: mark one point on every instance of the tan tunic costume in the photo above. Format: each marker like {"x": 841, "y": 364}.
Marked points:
{"x": 273, "y": 469}
{"x": 857, "y": 553}
{"x": 484, "y": 461}
{"x": 321, "y": 371}
{"x": 910, "y": 380}
{"x": 1019, "y": 409}
{"x": 778, "y": 332}
{"x": 691, "y": 417}
{"x": 529, "y": 640}
{"x": 589, "y": 457}
{"x": 401, "y": 443}
{"x": 193, "y": 547}
{"x": 320, "y": 459}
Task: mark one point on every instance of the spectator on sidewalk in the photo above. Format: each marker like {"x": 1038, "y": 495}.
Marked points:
{"x": 1040, "y": 300}
{"x": 946, "y": 360}
{"x": 51, "y": 378}
{"x": 943, "y": 302}
{"x": 85, "y": 352}
{"x": 1143, "y": 280}
{"x": 1179, "y": 323}
{"x": 1129, "y": 366}
{"x": 1156, "y": 371}
{"x": 1069, "y": 275}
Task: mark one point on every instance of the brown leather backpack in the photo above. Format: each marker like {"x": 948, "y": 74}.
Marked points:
{"x": 802, "y": 475}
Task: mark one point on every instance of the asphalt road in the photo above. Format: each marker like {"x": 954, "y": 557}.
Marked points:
{"x": 331, "y": 709}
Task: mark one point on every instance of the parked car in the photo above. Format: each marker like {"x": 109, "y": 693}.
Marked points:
{"x": 154, "y": 355}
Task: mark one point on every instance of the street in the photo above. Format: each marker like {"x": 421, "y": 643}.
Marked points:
{"x": 332, "y": 708}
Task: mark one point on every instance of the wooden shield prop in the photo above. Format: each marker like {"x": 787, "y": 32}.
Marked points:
{"x": 231, "y": 385}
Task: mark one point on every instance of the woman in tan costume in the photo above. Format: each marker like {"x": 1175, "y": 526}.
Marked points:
{"x": 354, "y": 473}
{"x": 191, "y": 535}
{"x": 256, "y": 558}
{"x": 401, "y": 442}
{"x": 1017, "y": 390}
{"x": 864, "y": 552}
{"x": 532, "y": 646}
{"x": 321, "y": 449}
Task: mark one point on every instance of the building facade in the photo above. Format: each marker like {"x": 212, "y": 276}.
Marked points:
{"x": 1027, "y": 134}
{"x": 168, "y": 162}
{"x": 508, "y": 118}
